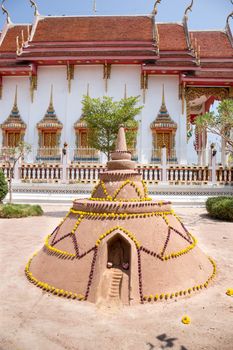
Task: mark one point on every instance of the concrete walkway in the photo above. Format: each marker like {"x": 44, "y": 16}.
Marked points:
{"x": 31, "y": 319}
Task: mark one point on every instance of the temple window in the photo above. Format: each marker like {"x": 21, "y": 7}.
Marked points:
{"x": 83, "y": 152}
{"x": 13, "y": 128}
{"x": 49, "y": 129}
{"x": 163, "y": 134}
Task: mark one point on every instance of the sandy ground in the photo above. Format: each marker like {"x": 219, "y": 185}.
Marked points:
{"x": 32, "y": 319}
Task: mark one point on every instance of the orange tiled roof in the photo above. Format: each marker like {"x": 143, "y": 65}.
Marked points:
{"x": 94, "y": 28}
{"x": 171, "y": 37}
{"x": 9, "y": 41}
{"x": 213, "y": 44}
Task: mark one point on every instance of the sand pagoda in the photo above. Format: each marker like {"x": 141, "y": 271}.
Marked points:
{"x": 119, "y": 246}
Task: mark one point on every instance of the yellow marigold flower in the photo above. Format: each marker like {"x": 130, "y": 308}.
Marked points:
{"x": 229, "y": 292}
{"x": 186, "y": 319}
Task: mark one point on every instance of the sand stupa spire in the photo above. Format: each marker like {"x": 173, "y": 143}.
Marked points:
{"x": 121, "y": 145}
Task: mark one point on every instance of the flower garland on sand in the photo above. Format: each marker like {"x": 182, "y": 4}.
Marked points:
{"x": 65, "y": 255}
{"x": 47, "y": 287}
{"x": 113, "y": 197}
{"x": 188, "y": 291}
{"x": 127, "y": 232}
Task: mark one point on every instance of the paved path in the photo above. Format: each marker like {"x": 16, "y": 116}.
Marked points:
{"x": 34, "y": 320}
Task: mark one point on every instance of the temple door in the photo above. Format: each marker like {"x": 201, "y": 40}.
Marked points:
{"x": 50, "y": 142}
{"x": 164, "y": 138}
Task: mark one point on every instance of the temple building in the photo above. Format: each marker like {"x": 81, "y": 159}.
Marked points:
{"x": 46, "y": 67}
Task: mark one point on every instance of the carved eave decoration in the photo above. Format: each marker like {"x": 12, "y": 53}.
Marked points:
{"x": 144, "y": 85}
{"x": 33, "y": 86}
{"x": 220, "y": 93}
{"x": 163, "y": 119}
{"x": 14, "y": 120}
{"x": 50, "y": 120}
{"x": 69, "y": 74}
{"x": 107, "y": 67}
{"x": 191, "y": 93}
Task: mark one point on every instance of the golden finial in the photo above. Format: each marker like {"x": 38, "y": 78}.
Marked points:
{"x": 125, "y": 92}
{"x": 155, "y": 10}
{"x": 51, "y": 98}
{"x": 16, "y": 97}
{"x": 189, "y": 8}
{"x": 5, "y": 11}
{"x": 33, "y": 4}
{"x": 88, "y": 92}
{"x": 163, "y": 97}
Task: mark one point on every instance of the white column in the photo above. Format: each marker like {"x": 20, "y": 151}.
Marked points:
{"x": 164, "y": 164}
{"x": 213, "y": 173}
{"x": 65, "y": 153}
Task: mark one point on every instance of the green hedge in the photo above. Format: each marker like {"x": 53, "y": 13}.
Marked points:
{"x": 3, "y": 186}
{"x": 19, "y": 210}
{"x": 220, "y": 207}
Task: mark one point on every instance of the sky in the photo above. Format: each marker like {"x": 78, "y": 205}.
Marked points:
{"x": 206, "y": 14}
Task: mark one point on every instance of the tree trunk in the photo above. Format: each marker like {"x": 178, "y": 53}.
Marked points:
{"x": 10, "y": 184}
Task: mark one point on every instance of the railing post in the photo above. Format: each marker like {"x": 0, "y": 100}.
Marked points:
{"x": 164, "y": 164}
{"x": 64, "y": 163}
{"x": 213, "y": 168}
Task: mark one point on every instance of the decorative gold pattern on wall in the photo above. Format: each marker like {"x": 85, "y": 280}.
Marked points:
{"x": 107, "y": 74}
{"x": 70, "y": 75}
{"x": 33, "y": 86}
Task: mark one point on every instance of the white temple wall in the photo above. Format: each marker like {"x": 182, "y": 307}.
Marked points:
{"x": 68, "y": 106}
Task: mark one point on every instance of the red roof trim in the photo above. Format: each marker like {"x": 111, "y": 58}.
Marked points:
{"x": 90, "y": 58}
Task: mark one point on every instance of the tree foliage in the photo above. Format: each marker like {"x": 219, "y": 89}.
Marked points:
{"x": 3, "y": 186}
{"x": 220, "y": 123}
{"x": 103, "y": 118}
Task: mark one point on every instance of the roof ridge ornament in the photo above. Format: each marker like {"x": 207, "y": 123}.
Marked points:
{"x": 155, "y": 27}
{"x": 228, "y": 28}
{"x": 155, "y": 10}
{"x": 5, "y": 11}
{"x": 33, "y": 4}
{"x": 94, "y": 7}
{"x": 189, "y": 8}
{"x": 185, "y": 24}
{"x": 229, "y": 16}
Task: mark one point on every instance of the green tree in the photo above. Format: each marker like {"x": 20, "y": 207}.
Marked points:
{"x": 3, "y": 186}
{"x": 103, "y": 118}
{"x": 12, "y": 157}
{"x": 220, "y": 123}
